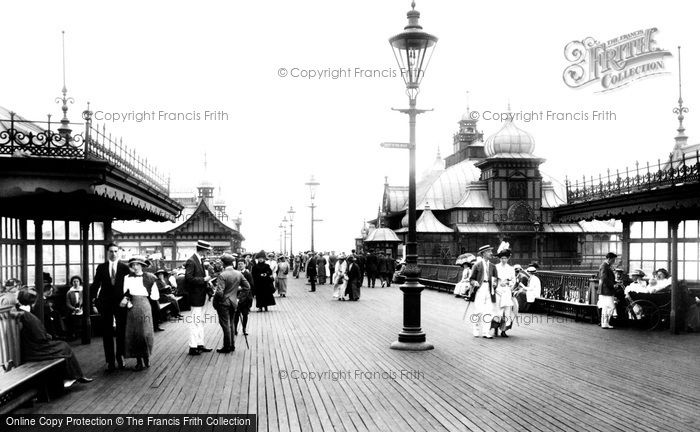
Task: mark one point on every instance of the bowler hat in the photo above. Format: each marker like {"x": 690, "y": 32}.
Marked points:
{"x": 610, "y": 255}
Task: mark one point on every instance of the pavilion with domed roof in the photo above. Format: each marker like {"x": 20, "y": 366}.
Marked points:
{"x": 490, "y": 191}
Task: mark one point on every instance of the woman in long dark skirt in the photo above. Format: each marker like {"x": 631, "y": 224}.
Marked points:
{"x": 263, "y": 283}
{"x": 37, "y": 344}
{"x": 138, "y": 288}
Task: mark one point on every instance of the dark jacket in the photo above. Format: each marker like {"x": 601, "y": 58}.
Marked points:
{"x": 195, "y": 285}
{"x": 479, "y": 274}
{"x": 109, "y": 294}
{"x": 263, "y": 288}
{"x": 372, "y": 263}
{"x": 311, "y": 267}
{"x": 606, "y": 278}
{"x": 228, "y": 284}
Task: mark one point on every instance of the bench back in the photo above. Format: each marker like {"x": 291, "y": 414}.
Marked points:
{"x": 573, "y": 287}
{"x": 10, "y": 354}
{"x": 440, "y": 272}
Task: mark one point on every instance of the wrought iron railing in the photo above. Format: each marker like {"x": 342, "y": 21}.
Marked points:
{"x": 571, "y": 287}
{"x": 639, "y": 178}
{"x": 24, "y": 138}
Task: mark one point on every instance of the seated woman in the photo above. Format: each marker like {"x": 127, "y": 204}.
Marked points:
{"x": 166, "y": 291}
{"x": 38, "y": 345}
{"x": 662, "y": 283}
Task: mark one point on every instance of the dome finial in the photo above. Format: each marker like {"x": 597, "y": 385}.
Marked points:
{"x": 413, "y": 5}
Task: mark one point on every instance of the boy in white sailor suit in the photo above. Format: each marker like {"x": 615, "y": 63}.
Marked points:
{"x": 483, "y": 280}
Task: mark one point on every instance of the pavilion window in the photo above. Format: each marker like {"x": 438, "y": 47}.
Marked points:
{"x": 689, "y": 251}
{"x": 649, "y": 245}
{"x": 10, "y": 249}
{"x": 62, "y": 250}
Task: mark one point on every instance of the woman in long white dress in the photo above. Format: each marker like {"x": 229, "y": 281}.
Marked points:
{"x": 339, "y": 280}
{"x": 504, "y": 290}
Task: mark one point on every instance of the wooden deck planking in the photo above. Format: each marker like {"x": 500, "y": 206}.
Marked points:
{"x": 549, "y": 376}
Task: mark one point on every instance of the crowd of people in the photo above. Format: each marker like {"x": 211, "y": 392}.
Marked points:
{"x": 127, "y": 297}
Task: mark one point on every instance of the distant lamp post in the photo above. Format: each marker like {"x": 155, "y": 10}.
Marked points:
{"x": 313, "y": 185}
{"x": 281, "y": 227}
{"x": 291, "y": 213}
{"x": 412, "y": 48}
{"x": 285, "y": 222}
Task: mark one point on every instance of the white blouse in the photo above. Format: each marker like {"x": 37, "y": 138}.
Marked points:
{"x": 134, "y": 284}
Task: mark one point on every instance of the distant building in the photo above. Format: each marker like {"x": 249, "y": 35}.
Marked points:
{"x": 204, "y": 217}
{"x": 490, "y": 191}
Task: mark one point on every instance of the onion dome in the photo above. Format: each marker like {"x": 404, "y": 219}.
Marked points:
{"x": 510, "y": 141}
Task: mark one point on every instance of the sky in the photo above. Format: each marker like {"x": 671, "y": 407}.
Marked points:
{"x": 192, "y": 57}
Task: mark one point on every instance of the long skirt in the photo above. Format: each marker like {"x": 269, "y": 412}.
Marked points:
{"x": 55, "y": 349}
{"x": 282, "y": 286}
{"x": 139, "y": 328}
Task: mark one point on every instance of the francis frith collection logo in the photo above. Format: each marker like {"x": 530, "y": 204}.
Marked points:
{"x": 615, "y": 63}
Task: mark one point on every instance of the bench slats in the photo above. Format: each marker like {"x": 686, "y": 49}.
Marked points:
{"x": 26, "y": 372}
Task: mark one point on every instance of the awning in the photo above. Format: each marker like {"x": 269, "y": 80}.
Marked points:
{"x": 478, "y": 228}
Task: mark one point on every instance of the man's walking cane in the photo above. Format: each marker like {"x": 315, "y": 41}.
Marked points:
{"x": 469, "y": 302}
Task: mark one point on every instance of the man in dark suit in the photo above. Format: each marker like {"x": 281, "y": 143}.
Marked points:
{"x": 196, "y": 284}
{"x": 107, "y": 290}
{"x": 332, "y": 259}
{"x": 354, "y": 279}
{"x": 483, "y": 294}
{"x": 311, "y": 271}
{"x": 372, "y": 267}
{"x": 226, "y": 300}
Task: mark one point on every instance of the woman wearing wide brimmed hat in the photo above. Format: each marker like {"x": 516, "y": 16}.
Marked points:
{"x": 467, "y": 261}
{"x": 504, "y": 290}
{"x": 138, "y": 288}
{"x": 263, "y": 283}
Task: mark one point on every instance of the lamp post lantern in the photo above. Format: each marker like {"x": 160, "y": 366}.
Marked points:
{"x": 412, "y": 48}
{"x": 313, "y": 185}
{"x": 291, "y": 229}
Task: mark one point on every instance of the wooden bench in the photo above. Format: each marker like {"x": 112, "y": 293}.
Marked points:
{"x": 21, "y": 382}
{"x": 164, "y": 307}
{"x": 25, "y": 382}
{"x": 440, "y": 277}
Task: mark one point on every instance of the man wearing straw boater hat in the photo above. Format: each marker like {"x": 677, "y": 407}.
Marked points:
{"x": 483, "y": 280}
{"x": 196, "y": 280}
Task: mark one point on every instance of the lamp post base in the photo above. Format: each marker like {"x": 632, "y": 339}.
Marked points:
{"x": 411, "y": 346}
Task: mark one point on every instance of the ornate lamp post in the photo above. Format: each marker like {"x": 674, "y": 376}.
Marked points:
{"x": 291, "y": 229}
{"x": 312, "y": 184}
{"x": 412, "y": 48}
